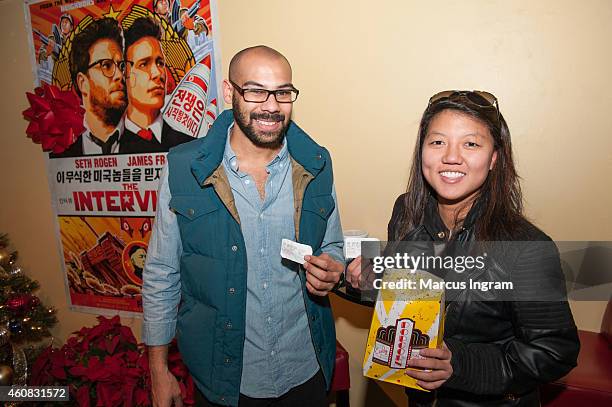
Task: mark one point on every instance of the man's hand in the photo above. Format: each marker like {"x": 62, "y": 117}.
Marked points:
{"x": 438, "y": 367}
{"x": 164, "y": 386}
{"x": 165, "y": 389}
{"x": 322, "y": 273}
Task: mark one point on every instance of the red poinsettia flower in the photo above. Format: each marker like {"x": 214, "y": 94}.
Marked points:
{"x": 58, "y": 365}
{"x": 40, "y": 369}
{"x": 104, "y": 326}
{"x": 72, "y": 342}
{"x": 94, "y": 370}
{"x": 105, "y": 366}
{"x": 127, "y": 335}
{"x": 70, "y": 357}
{"x": 142, "y": 397}
{"x": 132, "y": 357}
{"x": 82, "y": 396}
{"x": 111, "y": 344}
{"x": 108, "y": 396}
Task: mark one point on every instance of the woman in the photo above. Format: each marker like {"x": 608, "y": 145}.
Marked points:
{"x": 463, "y": 187}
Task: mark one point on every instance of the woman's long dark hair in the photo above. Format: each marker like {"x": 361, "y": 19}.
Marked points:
{"x": 499, "y": 200}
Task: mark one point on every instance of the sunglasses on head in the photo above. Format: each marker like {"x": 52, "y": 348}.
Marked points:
{"x": 479, "y": 98}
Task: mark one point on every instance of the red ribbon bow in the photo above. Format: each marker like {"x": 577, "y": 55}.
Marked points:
{"x": 55, "y": 116}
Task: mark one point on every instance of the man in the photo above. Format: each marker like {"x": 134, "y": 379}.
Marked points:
{"x": 138, "y": 254}
{"x": 145, "y": 130}
{"x": 96, "y": 67}
{"x": 162, "y": 9}
{"x": 195, "y": 29}
{"x": 66, "y": 24}
{"x": 252, "y": 327}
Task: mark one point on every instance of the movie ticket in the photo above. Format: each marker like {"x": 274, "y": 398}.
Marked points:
{"x": 295, "y": 251}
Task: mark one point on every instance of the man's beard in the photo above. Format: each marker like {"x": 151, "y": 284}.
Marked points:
{"x": 270, "y": 140}
{"x": 104, "y": 108}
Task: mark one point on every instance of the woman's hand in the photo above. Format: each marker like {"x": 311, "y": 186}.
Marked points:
{"x": 437, "y": 365}
{"x": 360, "y": 274}
{"x": 353, "y": 272}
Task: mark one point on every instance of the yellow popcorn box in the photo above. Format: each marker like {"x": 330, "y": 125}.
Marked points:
{"x": 408, "y": 317}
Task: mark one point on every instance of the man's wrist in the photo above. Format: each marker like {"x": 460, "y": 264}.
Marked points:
{"x": 159, "y": 371}
{"x": 158, "y": 359}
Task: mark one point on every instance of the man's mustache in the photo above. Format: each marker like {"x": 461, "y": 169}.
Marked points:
{"x": 268, "y": 117}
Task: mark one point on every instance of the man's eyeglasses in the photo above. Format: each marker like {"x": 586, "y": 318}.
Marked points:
{"x": 479, "y": 98}
{"x": 262, "y": 95}
{"x": 108, "y": 66}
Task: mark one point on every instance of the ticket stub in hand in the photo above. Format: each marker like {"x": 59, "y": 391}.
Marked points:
{"x": 295, "y": 251}
{"x": 352, "y": 246}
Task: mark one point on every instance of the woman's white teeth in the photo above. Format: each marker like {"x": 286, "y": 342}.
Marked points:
{"x": 452, "y": 174}
{"x": 264, "y": 123}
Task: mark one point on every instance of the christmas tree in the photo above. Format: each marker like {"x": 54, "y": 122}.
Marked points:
{"x": 24, "y": 321}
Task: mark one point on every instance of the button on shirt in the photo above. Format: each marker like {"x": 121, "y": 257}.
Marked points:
{"x": 277, "y": 334}
{"x": 278, "y": 350}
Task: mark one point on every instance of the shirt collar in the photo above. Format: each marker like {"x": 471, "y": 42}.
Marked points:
{"x": 210, "y": 149}
{"x": 91, "y": 146}
{"x": 231, "y": 161}
{"x": 156, "y": 127}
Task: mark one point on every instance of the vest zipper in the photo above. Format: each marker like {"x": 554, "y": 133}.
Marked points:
{"x": 302, "y": 274}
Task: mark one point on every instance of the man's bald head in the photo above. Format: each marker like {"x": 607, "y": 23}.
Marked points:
{"x": 249, "y": 54}
{"x": 258, "y": 77}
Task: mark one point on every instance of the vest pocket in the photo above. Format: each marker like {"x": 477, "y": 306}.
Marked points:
{"x": 192, "y": 207}
{"x": 315, "y": 212}
{"x": 321, "y": 205}
{"x": 195, "y": 332}
{"x": 203, "y": 222}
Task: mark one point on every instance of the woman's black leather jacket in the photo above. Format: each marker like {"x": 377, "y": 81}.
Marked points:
{"x": 502, "y": 350}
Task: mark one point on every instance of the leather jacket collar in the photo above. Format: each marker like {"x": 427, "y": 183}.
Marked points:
{"x": 435, "y": 227}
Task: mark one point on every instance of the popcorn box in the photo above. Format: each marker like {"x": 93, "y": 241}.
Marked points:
{"x": 406, "y": 319}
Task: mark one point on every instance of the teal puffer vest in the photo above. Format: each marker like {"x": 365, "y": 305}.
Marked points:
{"x": 211, "y": 317}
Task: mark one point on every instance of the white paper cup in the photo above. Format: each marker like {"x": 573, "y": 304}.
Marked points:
{"x": 355, "y": 233}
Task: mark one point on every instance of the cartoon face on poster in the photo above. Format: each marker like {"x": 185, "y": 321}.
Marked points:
{"x": 142, "y": 78}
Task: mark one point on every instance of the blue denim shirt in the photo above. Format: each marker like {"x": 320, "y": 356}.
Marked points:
{"x": 278, "y": 350}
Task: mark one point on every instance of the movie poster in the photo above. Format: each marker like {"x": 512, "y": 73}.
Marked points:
{"x": 145, "y": 73}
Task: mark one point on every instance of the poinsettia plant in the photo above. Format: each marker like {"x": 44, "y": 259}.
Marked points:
{"x": 105, "y": 366}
